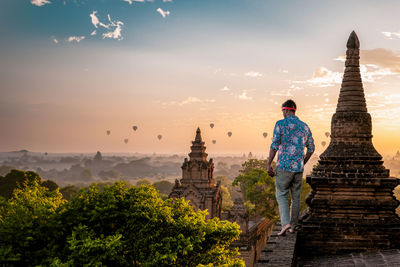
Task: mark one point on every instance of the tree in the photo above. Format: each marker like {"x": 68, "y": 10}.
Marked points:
{"x": 143, "y": 181}
{"x": 69, "y": 191}
{"x": 16, "y": 177}
{"x": 227, "y": 202}
{"x": 163, "y": 187}
{"x": 144, "y": 229}
{"x": 260, "y": 191}
{"x": 120, "y": 225}
{"x": 24, "y": 223}
{"x": 251, "y": 164}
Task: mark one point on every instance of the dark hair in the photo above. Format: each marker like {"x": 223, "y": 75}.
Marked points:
{"x": 289, "y": 104}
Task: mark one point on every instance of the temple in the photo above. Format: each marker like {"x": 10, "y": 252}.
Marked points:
{"x": 197, "y": 183}
{"x": 351, "y": 204}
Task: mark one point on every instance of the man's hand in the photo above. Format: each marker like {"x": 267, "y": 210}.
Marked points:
{"x": 269, "y": 163}
{"x": 271, "y": 171}
{"x": 307, "y": 157}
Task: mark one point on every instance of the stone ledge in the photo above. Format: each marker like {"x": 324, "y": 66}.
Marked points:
{"x": 279, "y": 251}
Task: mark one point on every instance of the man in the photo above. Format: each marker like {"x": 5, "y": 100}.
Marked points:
{"x": 290, "y": 137}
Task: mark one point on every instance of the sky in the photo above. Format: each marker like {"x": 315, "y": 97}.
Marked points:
{"x": 72, "y": 69}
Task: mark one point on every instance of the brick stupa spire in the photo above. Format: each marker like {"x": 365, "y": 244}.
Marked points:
{"x": 351, "y": 204}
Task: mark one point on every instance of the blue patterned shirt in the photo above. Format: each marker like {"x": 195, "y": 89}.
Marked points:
{"x": 291, "y": 136}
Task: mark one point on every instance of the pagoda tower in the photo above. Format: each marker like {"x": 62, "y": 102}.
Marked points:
{"x": 197, "y": 183}
{"x": 351, "y": 204}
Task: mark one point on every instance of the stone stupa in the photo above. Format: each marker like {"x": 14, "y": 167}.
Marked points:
{"x": 351, "y": 203}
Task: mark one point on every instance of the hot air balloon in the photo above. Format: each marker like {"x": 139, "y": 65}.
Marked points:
{"x": 229, "y": 134}
{"x": 159, "y": 136}
{"x": 134, "y": 128}
{"x": 265, "y": 135}
{"x": 323, "y": 143}
{"x": 214, "y": 141}
{"x": 108, "y": 132}
{"x": 212, "y": 125}
{"x": 327, "y": 134}
{"x": 126, "y": 140}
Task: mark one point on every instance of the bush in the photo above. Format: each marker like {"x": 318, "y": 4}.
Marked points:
{"x": 116, "y": 226}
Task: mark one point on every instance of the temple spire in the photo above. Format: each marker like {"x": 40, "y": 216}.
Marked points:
{"x": 198, "y": 135}
{"x": 351, "y": 97}
{"x": 198, "y": 148}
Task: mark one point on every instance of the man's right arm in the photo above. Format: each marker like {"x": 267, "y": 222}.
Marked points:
{"x": 276, "y": 141}
{"x": 271, "y": 157}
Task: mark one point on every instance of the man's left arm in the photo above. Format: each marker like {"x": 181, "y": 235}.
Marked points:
{"x": 309, "y": 145}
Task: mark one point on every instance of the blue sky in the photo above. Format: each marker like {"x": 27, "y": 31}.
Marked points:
{"x": 180, "y": 64}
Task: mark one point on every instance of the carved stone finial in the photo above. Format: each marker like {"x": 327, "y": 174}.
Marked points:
{"x": 353, "y": 42}
{"x": 198, "y": 135}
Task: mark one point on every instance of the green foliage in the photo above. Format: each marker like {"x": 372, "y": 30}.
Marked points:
{"x": 227, "y": 202}
{"x": 24, "y": 223}
{"x": 259, "y": 190}
{"x": 251, "y": 164}
{"x": 116, "y": 226}
{"x": 143, "y": 181}
{"x": 69, "y": 191}
{"x": 16, "y": 177}
{"x": 163, "y": 187}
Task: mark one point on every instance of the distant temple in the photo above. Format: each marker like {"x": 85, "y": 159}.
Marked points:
{"x": 197, "y": 183}
{"x": 351, "y": 204}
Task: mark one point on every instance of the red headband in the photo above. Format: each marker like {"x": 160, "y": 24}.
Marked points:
{"x": 288, "y": 108}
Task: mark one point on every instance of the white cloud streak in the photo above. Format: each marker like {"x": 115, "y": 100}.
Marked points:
{"x": 391, "y": 35}
{"x": 188, "y": 100}
{"x": 253, "y": 74}
{"x": 163, "y": 13}
{"x": 95, "y": 20}
{"x": 40, "y": 2}
{"x": 116, "y": 33}
{"x": 75, "y": 38}
{"x": 244, "y": 96}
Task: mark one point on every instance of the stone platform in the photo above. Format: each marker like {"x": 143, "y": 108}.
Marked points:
{"x": 389, "y": 258}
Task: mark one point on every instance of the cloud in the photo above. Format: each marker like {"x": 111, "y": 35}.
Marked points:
{"x": 140, "y": 1}
{"x": 75, "y": 38}
{"x": 225, "y": 88}
{"x": 253, "y": 74}
{"x": 115, "y": 27}
{"x": 322, "y": 77}
{"x": 163, "y": 13}
{"x": 390, "y": 35}
{"x": 244, "y": 96}
{"x": 281, "y": 93}
{"x": 381, "y": 57}
{"x": 95, "y": 20}
{"x": 116, "y": 33}
{"x": 188, "y": 100}
{"x": 40, "y": 2}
